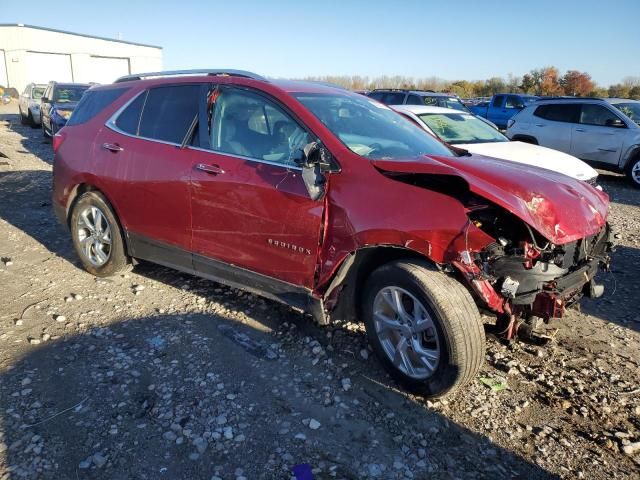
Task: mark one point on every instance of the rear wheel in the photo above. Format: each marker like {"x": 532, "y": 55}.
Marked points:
{"x": 633, "y": 171}
{"x": 97, "y": 236}
{"x": 424, "y": 327}
{"x": 31, "y": 121}
{"x": 23, "y": 119}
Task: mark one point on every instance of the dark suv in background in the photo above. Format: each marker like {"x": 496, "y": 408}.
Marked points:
{"x": 417, "y": 97}
{"x": 327, "y": 201}
{"x": 57, "y": 103}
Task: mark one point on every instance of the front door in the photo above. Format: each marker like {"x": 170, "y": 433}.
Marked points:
{"x": 594, "y": 139}
{"x": 250, "y": 207}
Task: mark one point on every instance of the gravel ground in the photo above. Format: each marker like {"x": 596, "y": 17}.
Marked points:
{"x": 160, "y": 375}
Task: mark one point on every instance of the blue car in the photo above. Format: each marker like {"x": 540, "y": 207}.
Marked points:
{"x": 57, "y": 103}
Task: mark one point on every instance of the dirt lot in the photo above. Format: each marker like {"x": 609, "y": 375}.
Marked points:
{"x": 159, "y": 375}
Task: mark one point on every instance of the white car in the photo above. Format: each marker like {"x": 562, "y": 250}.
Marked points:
{"x": 29, "y": 104}
{"x": 604, "y": 132}
{"x": 464, "y": 130}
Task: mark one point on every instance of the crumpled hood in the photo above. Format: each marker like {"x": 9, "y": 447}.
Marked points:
{"x": 560, "y": 208}
{"x": 535, "y": 155}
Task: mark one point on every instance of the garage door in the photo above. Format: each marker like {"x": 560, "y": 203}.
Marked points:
{"x": 107, "y": 69}
{"x": 47, "y": 67}
{"x": 3, "y": 71}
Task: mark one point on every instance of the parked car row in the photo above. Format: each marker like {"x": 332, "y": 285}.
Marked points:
{"x": 603, "y": 132}
{"x": 333, "y": 203}
{"x": 49, "y": 106}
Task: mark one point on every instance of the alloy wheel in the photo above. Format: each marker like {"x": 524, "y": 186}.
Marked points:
{"x": 407, "y": 332}
{"x": 94, "y": 235}
{"x": 635, "y": 173}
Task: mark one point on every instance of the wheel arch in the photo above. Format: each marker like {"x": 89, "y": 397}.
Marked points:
{"x": 343, "y": 295}
{"x": 84, "y": 187}
{"x": 525, "y": 138}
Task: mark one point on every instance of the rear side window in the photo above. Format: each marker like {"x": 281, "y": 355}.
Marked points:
{"x": 497, "y": 101}
{"x": 168, "y": 112}
{"x": 377, "y": 96}
{"x": 414, "y": 100}
{"x": 129, "y": 120}
{"x": 393, "y": 98}
{"x": 92, "y": 103}
{"x": 567, "y": 112}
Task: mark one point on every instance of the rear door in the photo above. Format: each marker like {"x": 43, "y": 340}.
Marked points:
{"x": 552, "y": 124}
{"x": 141, "y": 153}
{"x": 250, "y": 207}
{"x": 594, "y": 139}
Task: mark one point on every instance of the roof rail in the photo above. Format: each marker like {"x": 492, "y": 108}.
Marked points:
{"x": 213, "y": 72}
{"x": 401, "y": 90}
{"x": 565, "y": 98}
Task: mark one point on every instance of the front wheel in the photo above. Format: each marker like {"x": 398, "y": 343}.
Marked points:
{"x": 633, "y": 172}
{"x": 424, "y": 327}
{"x": 97, "y": 237}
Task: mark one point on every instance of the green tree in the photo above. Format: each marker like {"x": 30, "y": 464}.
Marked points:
{"x": 634, "y": 93}
{"x": 619, "y": 90}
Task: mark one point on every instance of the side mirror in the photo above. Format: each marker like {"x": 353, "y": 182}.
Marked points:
{"x": 44, "y": 99}
{"x": 313, "y": 159}
{"x": 615, "y": 122}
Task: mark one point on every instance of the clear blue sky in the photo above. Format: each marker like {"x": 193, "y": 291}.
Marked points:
{"x": 459, "y": 39}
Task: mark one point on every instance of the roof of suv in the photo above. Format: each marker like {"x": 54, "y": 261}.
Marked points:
{"x": 188, "y": 76}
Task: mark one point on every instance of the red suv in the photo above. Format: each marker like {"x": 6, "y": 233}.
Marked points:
{"x": 329, "y": 202}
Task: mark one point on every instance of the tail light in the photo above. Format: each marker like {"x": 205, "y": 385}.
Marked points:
{"x": 57, "y": 140}
{"x": 510, "y": 123}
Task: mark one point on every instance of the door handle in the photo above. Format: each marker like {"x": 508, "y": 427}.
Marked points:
{"x": 580, "y": 129}
{"x": 539, "y": 125}
{"x": 112, "y": 147}
{"x": 212, "y": 169}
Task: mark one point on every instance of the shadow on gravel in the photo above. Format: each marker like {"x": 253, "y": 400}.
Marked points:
{"x": 32, "y": 139}
{"x": 622, "y": 284}
{"x": 26, "y": 204}
{"x": 619, "y": 188}
{"x": 191, "y": 396}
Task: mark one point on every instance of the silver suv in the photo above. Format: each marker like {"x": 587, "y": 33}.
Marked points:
{"x": 602, "y": 132}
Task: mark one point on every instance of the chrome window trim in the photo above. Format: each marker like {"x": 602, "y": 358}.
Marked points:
{"x": 241, "y": 157}
{"x": 111, "y": 124}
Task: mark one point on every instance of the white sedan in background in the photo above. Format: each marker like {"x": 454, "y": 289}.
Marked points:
{"x": 464, "y": 130}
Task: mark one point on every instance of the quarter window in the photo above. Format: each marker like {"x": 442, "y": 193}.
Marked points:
{"x": 414, "y": 100}
{"x": 394, "y": 98}
{"x": 592, "y": 114}
{"x": 169, "y": 112}
{"x": 249, "y": 125}
{"x": 92, "y": 103}
{"x": 566, "y": 112}
{"x": 129, "y": 120}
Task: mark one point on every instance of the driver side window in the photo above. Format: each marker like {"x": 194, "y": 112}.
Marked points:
{"x": 247, "y": 124}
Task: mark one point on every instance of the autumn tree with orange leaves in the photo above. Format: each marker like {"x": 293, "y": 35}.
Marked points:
{"x": 577, "y": 84}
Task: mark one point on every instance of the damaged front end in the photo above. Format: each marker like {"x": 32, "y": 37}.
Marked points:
{"x": 522, "y": 276}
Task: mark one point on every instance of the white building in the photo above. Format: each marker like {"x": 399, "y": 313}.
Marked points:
{"x": 36, "y": 54}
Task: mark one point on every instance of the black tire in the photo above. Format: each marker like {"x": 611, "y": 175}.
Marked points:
{"x": 118, "y": 261}
{"x": 454, "y": 313}
{"x": 525, "y": 139}
{"x": 23, "y": 119}
{"x": 633, "y": 171}
{"x": 31, "y": 121}
{"x": 44, "y": 131}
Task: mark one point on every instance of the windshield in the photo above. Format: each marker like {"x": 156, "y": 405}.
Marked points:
{"x": 37, "y": 92}
{"x": 371, "y": 129}
{"x": 461, "y": 128}
{"x": 631, "y": 110}
{"x": 68, "y": 94}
